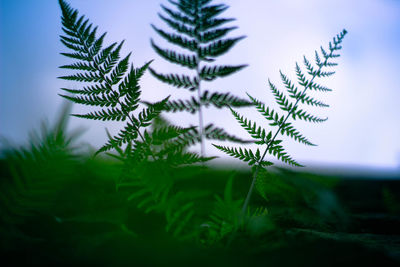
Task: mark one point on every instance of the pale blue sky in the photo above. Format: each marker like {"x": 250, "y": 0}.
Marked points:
{"x": 363, "y": 127}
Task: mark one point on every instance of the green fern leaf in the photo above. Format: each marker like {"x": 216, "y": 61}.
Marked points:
{"x": 119, "y": 71}
{"x": 262, "y": 136}
{"x": 90, "y": 90}
{"x": 215, "y": 34}
{"x": 93, "y": 100}
{"x": 112, "y": 114}
{"x": 213, "y": 23}
{"x": 218, "y": 48}
{"x": 267, "y": 113}
{"x": 246, "y": 155}
{"x": 86, "y": 77}
{"x": 209, "y": 73}
{"x": 214, "y": 133}
{"x": 191, "y": 45}
{"x": 178, "y": 81}
{"x": 279, "y": 152}
{"x": 179, "y": 27}
{"x": 179, "y": 17}
{"x": 171, "y": 56}
{"x": 296, "y": 94}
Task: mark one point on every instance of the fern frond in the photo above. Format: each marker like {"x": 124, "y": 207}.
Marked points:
{"x": 255, "y": 131}
{"x": 245, "y": 155}
{"x": 218, "y": 48}
{"x": 179, "y": 17}
{"x": 179, "y": 27}
{"x": 268, "y": 113}
{"x": 111, "y": 60}
{"x": 186, "y": 158}
{"x": 210, "y": 73}
{"x": 160, "y": 135}
{"x": 280, "y": 98}
{"x": 213, "y": 23}
{"x": 195, "y": 26}
{"x": 179, "y": 217}
{"x": 317, "y": 87}
{"x": 80, "y": 66}
{"x": 225, "y": 216}
{"x": 178, "y": 81}
{"x": 190, "y": 137}
{"x": 210, "y": 12}
{"x": 316, "y": 73}
{"x": 101, "y": 57}
{"x": 119, "y": 71}
{"x": 96, "y": 89}
{"x": 94, "y": 100}
{"x": 296, "y": 94}
{"x": 191, "y": 105}
{"x": 214, "y": 133}
{"x": 80, "y": 56}
{"x": 288, "y": 129}
{"x": 216, "y": 99}
{"x": 220, "y": 100}
{"x": 111, "y": 114}
{"x": 273, "y": 145}
{"x": 189, "y": 61}
{"x": 149, "y": 113}
{"x": 191, "y": 45}
{"x": 187, "y": 7}
{"x": 127, "y": 134}
{"x": 85, "y": 77}
{"x": 212, "y": 35}
{"x": 303, "y": 115}
{"x": 279, "y": 152}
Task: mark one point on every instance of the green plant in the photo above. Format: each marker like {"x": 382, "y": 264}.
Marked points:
{"x": 198, "y": 30}
{"x": 155, "y": 158}
{"x": 32, "y": 174}
{"x": 114, "y": 87}
{"x": 269, "y": 139}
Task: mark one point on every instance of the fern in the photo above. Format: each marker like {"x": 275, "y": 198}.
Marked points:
{"x": 32, "y": 176}
{"x": 113, "y": 83}
{"x": 292, "y": 110}
{"x": 113, "y": 87}
{"x": 198, "y": 30}
{"x": 224, "y": 217}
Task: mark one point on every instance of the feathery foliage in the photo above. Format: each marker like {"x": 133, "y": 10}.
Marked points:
{"x": 114, "y": 87}
{"x": 291, "y": 108}
{"x": 198, "y": 30}
{"x": 31, "y": 176}
{"x": 154, "y": 152}
{"x": 113, "y": 83}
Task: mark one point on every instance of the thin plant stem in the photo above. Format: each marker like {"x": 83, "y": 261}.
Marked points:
{"x": 201, "y": 124}
{"x": 202, "y": 143}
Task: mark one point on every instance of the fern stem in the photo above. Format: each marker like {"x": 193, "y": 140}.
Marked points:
{"x": 258, "y": 166}
{"x": 201, "y": 124}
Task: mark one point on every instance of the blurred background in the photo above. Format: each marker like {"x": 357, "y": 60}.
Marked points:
{"x": 363, "y": 129}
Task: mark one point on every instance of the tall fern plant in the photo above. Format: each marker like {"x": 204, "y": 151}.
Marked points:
{"x": 198, "y": 30}
{"x": 289, "y": 103}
